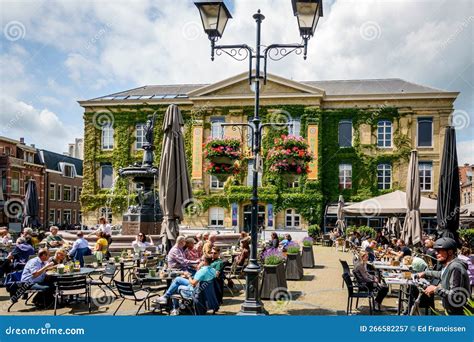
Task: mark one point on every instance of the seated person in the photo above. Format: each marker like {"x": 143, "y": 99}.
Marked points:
{"x": 140, "y": 244}
{"x": 242, "y": 258}
{"x": 101, "y": 245}
{"x": 34, "y": 273}
{"x": 217, "y": 263}
{"x": 403, "y": 250}
{"x": 80, "y": 248}
{"x": 284, "y": 243}
{"x": 5, "y": 237}
{"x": 371, "y": 282}
{"x": 274, "y": 241}
{"x": 206, "y": 249}
{"x": 355, "y": 239}
{"x": 202, "y": 239}
{"x": 371, "y": 250}
{"x": 381, "y": 239}
{"x": 177, "y": 257}
{"x": 243, "y": 236}
{"x": 18, "y": 257}
{"x": 187, "y": 284}
{"x": 54, "y": 240}
{"x": 191, "y": 252}
{"x": 59, "y": 257}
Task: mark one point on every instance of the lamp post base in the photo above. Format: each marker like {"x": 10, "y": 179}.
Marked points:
{"x": 252, "y": 306}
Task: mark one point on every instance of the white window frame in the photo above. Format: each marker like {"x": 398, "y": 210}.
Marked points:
{"x": 293, "y": 217}
{"x": 74, "y": 194}
{"x": 66, "y": 211}
{"x": 295, "y": 128}
{"x": 54, "y": 192}
{"x": 339, "y": 132}
{"x": 385, "y": 125}
{"x": 18, "y": 192}
{"x": 52, "y": 211}
{"x": 216, "y": 214}
{"x": 59, "y": 192}
{"x": 107, "y": 213}
{"x": 58, "y": 216}
{"x": 107, "y": 137}
{"x": 422, "y": 175}
{"x": 70, "y": 193}
{"x": 73, "y": 217}
{"x": 101, "y": 168}
{"x": 217, "y": 130}
{"x": 215, "y": 184}
{"x": 418, "y": 130}
{"x": 384, "y": 167}
{"x": 139, "y": 138}
{"x": 344, "y": 167}
{"x": 63, "y": 166}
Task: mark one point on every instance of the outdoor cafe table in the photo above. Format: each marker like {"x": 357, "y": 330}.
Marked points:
{"x": 379, "y": 265}
{"x": 404, "y": 294}
{"x": 82, "y": 271}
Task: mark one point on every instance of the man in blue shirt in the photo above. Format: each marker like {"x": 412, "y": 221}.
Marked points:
{"x": 35, "y": 270}
{"x": 80, "y": 248}
{"x": 187, "y": 284}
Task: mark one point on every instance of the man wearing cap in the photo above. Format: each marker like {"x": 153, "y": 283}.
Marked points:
{"x": 454, "y": 286}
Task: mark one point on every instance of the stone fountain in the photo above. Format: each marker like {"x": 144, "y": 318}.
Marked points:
{"x": 146, "y": 216}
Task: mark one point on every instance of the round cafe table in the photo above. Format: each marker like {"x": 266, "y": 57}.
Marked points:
{"x": 82, "y": 271}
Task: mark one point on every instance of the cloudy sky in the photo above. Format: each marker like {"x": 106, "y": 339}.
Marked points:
{"x": 54, "y": 53}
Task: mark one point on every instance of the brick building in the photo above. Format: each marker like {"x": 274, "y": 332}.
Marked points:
{"x": 18, "y": 163}
{"x": 466, "y": 173}
{"x": 63, "y": 185}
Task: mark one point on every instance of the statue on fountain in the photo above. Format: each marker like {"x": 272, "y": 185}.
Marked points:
{"x": 146, "y": 216}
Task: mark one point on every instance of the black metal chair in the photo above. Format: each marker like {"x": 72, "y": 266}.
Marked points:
{"x": 74, "y": 285}
{"x": 106, "y": 279}
{"x": 128, "y": 292}
{"x": 356, "y": 291}
{"x": 346, "y": 269}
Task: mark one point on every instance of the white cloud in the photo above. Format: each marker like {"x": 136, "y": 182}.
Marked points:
{"x": 39, "y": 126}
{"x": 465, "y": 152}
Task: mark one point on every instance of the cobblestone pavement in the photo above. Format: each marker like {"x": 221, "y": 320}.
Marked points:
{"x": 320, "y": 292}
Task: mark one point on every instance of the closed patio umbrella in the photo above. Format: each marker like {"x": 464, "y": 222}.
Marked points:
{"x": 411, "y": 233}
{"x": 175, "y": 187}
{"x": 393, "y": 226}
{"x": 31, "y": 207}
{"x": 340, "y": 214}
{"x": 449, "y": 197}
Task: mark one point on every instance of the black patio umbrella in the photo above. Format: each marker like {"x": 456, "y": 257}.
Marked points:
{"x": 449, "y": 197}
{"x": 31, "y": 206}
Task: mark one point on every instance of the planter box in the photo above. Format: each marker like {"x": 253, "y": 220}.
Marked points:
{"x": 308, "y": 257}
{"x": 294, "y": 267}
{"x": 273, "y": 277}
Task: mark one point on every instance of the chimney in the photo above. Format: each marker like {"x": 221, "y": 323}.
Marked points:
{"x": 22, "y": 141}
{"x": 33, "y": 145}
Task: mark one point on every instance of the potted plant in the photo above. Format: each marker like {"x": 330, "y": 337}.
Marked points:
{"x": 222, "y": 155}
{"x": 273, "y": 272}
{"x": 294, "y": 266}
{"x": 307, "y": 257}
{"x": 289, "y": 157}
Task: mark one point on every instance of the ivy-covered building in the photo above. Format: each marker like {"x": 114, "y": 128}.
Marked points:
{"x": 360, "y": 132}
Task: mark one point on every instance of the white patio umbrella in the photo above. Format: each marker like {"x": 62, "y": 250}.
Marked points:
{"x": 340, "y": 214}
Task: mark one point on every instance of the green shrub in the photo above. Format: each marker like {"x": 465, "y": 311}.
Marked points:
{"x": 363, "y": 231}
{"x": 314, "y": 230}
{"x": 468, "y": 236}
{"x": 293, "y": 248}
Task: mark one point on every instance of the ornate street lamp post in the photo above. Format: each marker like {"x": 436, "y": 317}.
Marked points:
{"x": 214, "y": 16}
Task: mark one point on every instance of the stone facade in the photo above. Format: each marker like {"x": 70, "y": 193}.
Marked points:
{"x": 411, "y": 100}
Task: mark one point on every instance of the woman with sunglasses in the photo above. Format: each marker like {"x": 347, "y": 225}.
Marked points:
{"x": 140, "y": 244}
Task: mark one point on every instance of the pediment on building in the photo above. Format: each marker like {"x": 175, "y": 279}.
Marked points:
{"x": 238, "y": 86}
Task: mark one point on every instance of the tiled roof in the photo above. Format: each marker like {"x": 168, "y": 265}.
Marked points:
{"x": 334, "y": 87}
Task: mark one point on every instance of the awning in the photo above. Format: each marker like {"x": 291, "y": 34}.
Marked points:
{"x": 393, "y": 203}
